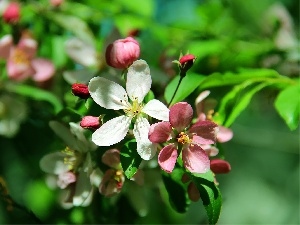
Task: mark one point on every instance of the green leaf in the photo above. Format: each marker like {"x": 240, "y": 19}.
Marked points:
{"x": 176, "y": 190}
{"x": 189, "y": 83}
{"x": 59, "y": 57}
{"x": 242, "y": 103}
{"x": 130, "y": 159}
{"x": 217, "y": 80}
{"x": 287, "y": 105}
{"x": 209, "y": 194}
{"x": 35, "y": 93}
{"x": 235, "y": 101}
{"x": 74, "y": 24}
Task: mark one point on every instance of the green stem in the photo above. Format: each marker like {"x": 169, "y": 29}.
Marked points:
{"x": 179, "y": 82}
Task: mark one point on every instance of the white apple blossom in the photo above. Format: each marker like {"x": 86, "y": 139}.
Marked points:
{"x": 73, "y": 167}
{"x": 111, "y": 95}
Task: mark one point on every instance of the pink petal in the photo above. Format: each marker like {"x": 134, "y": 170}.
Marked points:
{"x": 160, "y": 132}
{"x": 18, "y": 71}
{"x": 167, "y": 158}
{"x": 205, "y": 132}
{"x": 6, "y": 43}
{"x": 225, "y": 134}
{"x": 181, "y": 115}
{"x": 195, "y": 159}
{"x": 111, "y": 158}
{"x": 44, "y": 69}
{"x": 28, "y": 46}
{"x": 220, "y": 166}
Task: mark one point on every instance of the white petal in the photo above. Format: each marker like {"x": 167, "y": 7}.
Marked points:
{"x": 138, "y": 80}
{"x": 79, "y": 76}
{"x": 83, "y": 189}
{"x": 145, "y": 148}
{"x": 65, "y": 134}
{"x": 53, "y": 163}
{"x": 157, "y": 110}
{"x": 108, "y": 94}
{"x": 112, "y": 132}
{"x": 81, "y": 52}
{"x": 78, "y": 132}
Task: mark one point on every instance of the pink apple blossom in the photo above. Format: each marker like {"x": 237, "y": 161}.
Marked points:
{"x": 22, "y": 62}
{"x": 181, "y": 136}
{"x": 122, "y": 53}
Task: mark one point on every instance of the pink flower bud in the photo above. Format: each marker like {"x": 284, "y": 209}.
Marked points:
{"x": 122, "y": 53}
{"x": 220, "y": 166}
{"x": 80, "y": 90}
{"x": 90, "y": 122}
{"x": 12, "y": 13}
{"x": 56, "y": 3}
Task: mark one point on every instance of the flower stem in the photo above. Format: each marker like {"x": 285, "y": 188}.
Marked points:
{"x": 179, "y": 82}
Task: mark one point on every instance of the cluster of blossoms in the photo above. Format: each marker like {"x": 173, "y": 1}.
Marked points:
{"x": 156, "y": 129}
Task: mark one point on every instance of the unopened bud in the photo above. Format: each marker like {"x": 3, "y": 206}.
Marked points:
{"x": 80, "y": 90}
{"x": 90, "y": 122}
{"x": 56, "y": 3}
{"x": 122, "y": 53}
{"x": 186, "y": 62}
{"x": 220, "y": 166}
{"x": 11, "y": 14}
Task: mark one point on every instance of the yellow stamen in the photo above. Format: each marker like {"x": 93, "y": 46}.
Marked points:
{"x": 183, "y": 138}
{"x": 20, "y": 57}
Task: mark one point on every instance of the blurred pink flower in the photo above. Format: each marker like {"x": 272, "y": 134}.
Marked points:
{"x": 22, "y": 62}
{"x": 204, "y": 112}
{"x": 113, "y": 179}
{"x": 122, "y": 53}
{"x": 182, "y": 136}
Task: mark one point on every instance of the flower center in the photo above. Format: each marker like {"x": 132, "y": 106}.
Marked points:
{"x": 20, "y": 57}
{"x": 119, "y": 178}
{"x": 72, "y": 158}
{"x": 183, "y": 138}
{"x": 134, "y": 109}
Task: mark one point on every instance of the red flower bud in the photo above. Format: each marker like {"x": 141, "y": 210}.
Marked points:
{"x": 220, "y": 166}
{"x": 90, "y": 122}
{"x": 186, "y": 62}
{"x": 122, "y": 53}
{"x": 12, "y": 13}
{"x": 80, "y": 90}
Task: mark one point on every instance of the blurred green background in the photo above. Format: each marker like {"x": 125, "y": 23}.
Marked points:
{"x": 263, "y": 186}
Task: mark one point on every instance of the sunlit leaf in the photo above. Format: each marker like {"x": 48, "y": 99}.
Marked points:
{"x": 242, "y": 103}
{"x": 130, "y": 159}
{"x": 209, "y": 194}
{"x": 217, "y": 79}
{"x": 287, "y": 105}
